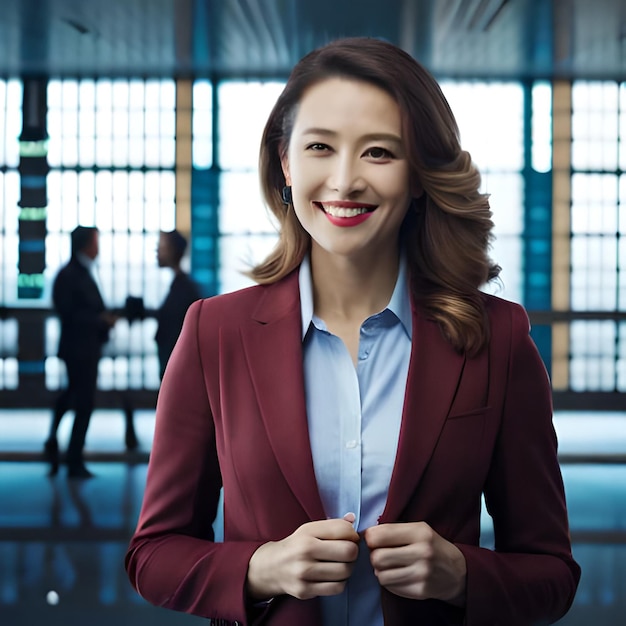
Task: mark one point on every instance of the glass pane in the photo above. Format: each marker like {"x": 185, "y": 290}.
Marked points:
{"x": 241, "y": 125}
{"x": 542, "y": 127}
{"x": 491, "y": 121}
{"x": 241, "y": 208}
{"x": 9, "y": 377}
{"x": 595, "y": 124}
{"x": 10, "y": 121}
{"x": 9, "y": 211}
{"x": 8, "y": 339}
{"x": 202, "y": 124}
{"x": 237, "y": 254}
{"x": 594, "y": 203}
{"x": 506, "y": 196}
{"x": 594, "y": 274}
{"x": 593, "y": 349}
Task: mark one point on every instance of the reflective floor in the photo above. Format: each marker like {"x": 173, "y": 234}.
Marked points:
{"x": 62, "y": 542}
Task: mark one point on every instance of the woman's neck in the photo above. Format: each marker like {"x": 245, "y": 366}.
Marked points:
{"x": 352, "y": 289}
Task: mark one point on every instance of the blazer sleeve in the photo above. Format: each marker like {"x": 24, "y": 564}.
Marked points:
{"x": 173, "y": 560}
{"x": 530, "y": 576}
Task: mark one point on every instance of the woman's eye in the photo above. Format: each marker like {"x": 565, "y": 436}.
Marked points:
{"x": 317, "y": 147}
{"x": 379, "y": 153}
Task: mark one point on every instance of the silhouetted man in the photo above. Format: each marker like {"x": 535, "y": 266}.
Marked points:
{"x": 85, "y": 326}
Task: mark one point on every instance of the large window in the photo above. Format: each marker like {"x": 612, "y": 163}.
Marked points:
{"x": 112, "y": 158}
{"x": 598, "y": 249}
{"x": 112, "y": 152}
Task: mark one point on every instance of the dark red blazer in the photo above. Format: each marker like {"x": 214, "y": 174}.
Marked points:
{"x": 231, "y": 412}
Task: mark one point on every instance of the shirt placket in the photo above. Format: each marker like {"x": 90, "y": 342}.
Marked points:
{"x": 351, "y": 461}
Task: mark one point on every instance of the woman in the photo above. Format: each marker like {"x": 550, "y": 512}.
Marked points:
{"x": 183, "y": 291}
{"x": 359, "y": 401}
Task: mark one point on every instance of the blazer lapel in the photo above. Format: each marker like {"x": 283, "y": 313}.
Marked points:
{"x": 273, "y": 347}
{"x": 435, "y": 369}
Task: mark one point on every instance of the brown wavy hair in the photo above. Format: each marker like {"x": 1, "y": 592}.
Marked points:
{"x": 447, "y": 231}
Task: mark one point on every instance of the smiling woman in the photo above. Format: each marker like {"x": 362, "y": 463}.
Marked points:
{"x": 346, "y": 165}
{"x": 357, "y": 405}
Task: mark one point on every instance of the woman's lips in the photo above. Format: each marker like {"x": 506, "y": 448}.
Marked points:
{"x": 346, "y": 214}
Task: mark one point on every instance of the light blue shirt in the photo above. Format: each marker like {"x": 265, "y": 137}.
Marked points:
{"x": 86, "y": 261}
{"x": 354, "y": 417}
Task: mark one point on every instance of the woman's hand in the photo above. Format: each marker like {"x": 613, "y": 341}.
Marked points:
{"x": 316, "y": 560}
{"x": 413, "y": 561}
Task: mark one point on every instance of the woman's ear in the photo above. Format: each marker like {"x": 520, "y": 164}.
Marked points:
{"x": 417, "y": 191}
{"x": 284, "y": 163}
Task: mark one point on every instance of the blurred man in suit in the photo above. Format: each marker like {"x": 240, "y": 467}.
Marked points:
{"x": 85, "y": 326}
{"x": 183, "y": 291}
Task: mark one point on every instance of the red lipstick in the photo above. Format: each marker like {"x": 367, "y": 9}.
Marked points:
{"x": 342, "y": 212}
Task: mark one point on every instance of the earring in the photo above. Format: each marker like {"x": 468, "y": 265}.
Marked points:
{"x": 287, "y": 199}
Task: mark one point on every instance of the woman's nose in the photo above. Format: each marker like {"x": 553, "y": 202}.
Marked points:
{"x": 346, "y": 176}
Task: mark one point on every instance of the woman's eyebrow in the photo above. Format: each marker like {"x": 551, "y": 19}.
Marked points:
{"x": 368, "y": 137}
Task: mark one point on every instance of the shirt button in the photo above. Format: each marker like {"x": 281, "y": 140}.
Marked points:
{"x": 351, "y": 444}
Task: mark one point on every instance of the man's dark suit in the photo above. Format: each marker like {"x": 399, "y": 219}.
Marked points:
{"x": 79, "y": 305}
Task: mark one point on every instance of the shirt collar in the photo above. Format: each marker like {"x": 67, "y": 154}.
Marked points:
{"x": 306, "y": 294}
{"x": 399, "y": 304}
{"x": 84, "y": 260}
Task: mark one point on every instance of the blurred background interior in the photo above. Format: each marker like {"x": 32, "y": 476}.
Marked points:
{"x": 145, "y": 115}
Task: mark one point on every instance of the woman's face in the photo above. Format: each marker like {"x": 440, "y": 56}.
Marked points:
{"x": 348, "y": 170}
{"x": 165, "y": 254}
{"x": 93, "y": 247}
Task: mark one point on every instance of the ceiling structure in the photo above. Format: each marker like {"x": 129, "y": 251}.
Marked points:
{"x": 256, "y": 38}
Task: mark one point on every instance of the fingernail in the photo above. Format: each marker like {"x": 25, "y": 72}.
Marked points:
{"x": 349, "y": 517}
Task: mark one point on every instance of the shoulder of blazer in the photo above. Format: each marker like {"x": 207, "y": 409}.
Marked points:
{"x": 499, "y": 310}
{"x": 262, "y": 304}
{"x": 67, "y": 276}
{"x": 73, "y": 270}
